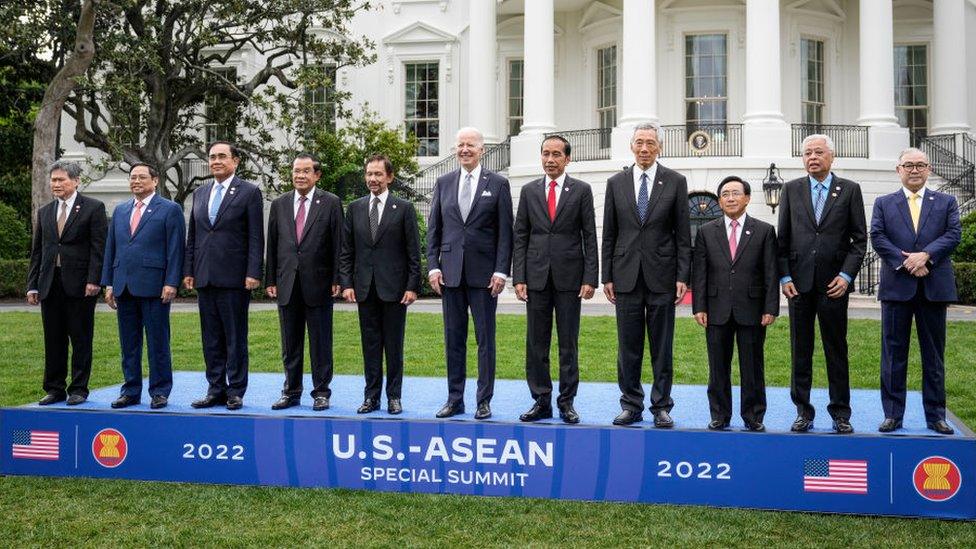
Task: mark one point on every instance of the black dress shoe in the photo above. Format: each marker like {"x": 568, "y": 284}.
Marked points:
{"x": 369, "y": 405}
{"x": 568, "y": 414}
{"x": 718, "y": 425}
{"x": 755, "y": 426}
{"x": 539, "y": 410}
{"x": 286, "y": 401}
{"x": 320, "y": 403}
{"x": 50, "y": 399}
{"x": 801, "y": 424}
{"x": 393, "y": 407}
{"x": 75, "y": 400}
{"x": 484, "y": 411}
{"x": 158, "y": 401}
{"x": 662, "y": 420}
{"x": 235, "y": 403}
{"x": 628, "y": 417}
{"x": 209, "y": 401}
{"x": 124, "y": 401}
{"x": 889, "y": 425}
{"x": 450, "y": 409}
{"x": 843, "y": 426}
{"x": 940, "y": 427}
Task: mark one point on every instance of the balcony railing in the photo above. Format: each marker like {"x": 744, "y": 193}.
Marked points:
{"x": 497, "y": 158}
{"x": 699, "y": 140}
{"x": 593, "y": 144}
{"x": 849, "y": 141}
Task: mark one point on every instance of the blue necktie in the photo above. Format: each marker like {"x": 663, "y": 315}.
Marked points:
{"x": 819, "y": 204}
{"x": 215, "y": 206}
{"x": 642, "y": 199}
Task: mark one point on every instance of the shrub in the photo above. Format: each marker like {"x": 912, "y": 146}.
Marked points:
{"x": 966, "y": 252}
{"x": 966, "y": 282}
{"x": 13, "y": 277}
{"x": 14, "y": 236}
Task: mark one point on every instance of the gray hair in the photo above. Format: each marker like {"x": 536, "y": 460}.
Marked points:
{"x": 471, "y": 129}
{"x": 912, "y": 150}
{"x": 73, "y": 169}
{"x": 646, "y": 126}
{"x": 814, "y": 137}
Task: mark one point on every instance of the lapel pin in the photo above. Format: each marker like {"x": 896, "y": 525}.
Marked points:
{"x": 394, "y": 206}
{"x": 660, "y": 182}
{"x": 148, "y": 211}
{"x": 931, "y": 198}
{"x": 318, "y": 201}
{"x": 836, "y": 188}
{"x": 833, "y": 194}
{"x": 748, "y": 232}
{"x": 77, "y": 208}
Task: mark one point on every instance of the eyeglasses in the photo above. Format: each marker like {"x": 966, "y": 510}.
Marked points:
{"x": 732, "y": 194}
{"x": 915, "y": 166}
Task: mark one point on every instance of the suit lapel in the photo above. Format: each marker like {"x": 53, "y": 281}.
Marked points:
{"x": 833, "y": 194}
{"x": 629, "y": 193}
{"x": 564, "y": 196}
{"x": 48, "y": 217}
{"x": 150, "y": 210}
{"x": 288, "y": 213}
{"x": 721, "y": 240}
{"x": 901, "y": 203}
{"x": 201, "y": 205}
{"x": 928, "y": 202}
{"x": 313, "y": 209}
{"x": 72, "y": 215}
{"x": 540, "y": 188}
{"x": 451, "y": 200}
{"x": 654, "y": 192}
{"x": 389, "y": 211}
{"x": 479, "y": 189}
{"x": 745, "y": 235}
{"x": 807, "y": 199}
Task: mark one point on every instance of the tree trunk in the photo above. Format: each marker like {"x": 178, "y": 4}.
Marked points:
{"x": 49, "y": 114}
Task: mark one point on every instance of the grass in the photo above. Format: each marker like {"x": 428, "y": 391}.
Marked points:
{"x": 41, "y": 511}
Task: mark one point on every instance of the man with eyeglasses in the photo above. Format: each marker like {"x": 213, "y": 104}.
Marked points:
{"x": 822, "y": 241}
{"x": 914, "y": 230}
{"x": 224, "y": 252}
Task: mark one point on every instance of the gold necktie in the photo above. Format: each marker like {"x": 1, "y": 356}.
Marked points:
{"x": 62, "y": 217}
{"x": 915, "y": 209}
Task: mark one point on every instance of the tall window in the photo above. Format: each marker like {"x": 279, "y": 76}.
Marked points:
{"x": 320, "y": 102}
{"x": 422, "y": 110}
{"x": 706, "y": 81}
{"x": 911, "y": 89}
{"x": 516, "y": 92}
{"x": 606, "y": 78}
{"x": 220, "y": 111}
{"x": 812, "y": 94}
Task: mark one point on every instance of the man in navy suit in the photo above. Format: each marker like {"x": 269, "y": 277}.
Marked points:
{"x": 224, "y": 248}
{"x": 914, "y": 230}
{"x": 469, "y": 253}
{"x": 143, "y": 264}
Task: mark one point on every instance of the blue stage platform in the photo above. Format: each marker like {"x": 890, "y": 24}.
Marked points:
{"x": 913, "y": 472}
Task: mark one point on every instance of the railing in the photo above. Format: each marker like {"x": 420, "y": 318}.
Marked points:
{"x": 968, "y": 148}
{"x": 497, "y": 158}
{"x": 593, "y": 144}
{"x": 706, "y": 140}
{"x": 849, "y": 141}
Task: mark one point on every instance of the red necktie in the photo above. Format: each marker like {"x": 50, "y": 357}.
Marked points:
{"x": 551, "y": 200}
{"x": 300, "y": 219}
{"x": 732, "y": 240}
{"x": 136, "y": 216}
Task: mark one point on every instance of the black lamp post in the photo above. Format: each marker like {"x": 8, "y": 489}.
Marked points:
{"x": 772, "y": 187}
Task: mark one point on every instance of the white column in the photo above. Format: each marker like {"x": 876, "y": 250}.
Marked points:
{"x": 638, "y": 87}
{"x": 948, "y": 87}
{"x": 482, "y": 58}
{"x": 540, "y": 60}
{"x": 764, "y": 131}
{"x": 877, "y": 71}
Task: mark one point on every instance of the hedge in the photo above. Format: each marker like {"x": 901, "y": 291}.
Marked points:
{"x": 966, "y": 282}
{"x": 13, "y": 277}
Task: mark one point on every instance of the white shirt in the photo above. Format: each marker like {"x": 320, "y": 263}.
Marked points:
{"x": 308, "y": 204}
{"x": 382, "y": 196}
{"x": 920, "y": 193}
{"x": 475, "y": 176}
{"x": 651, "y": 174}
{"x": 145, "y": 203}
{"x": 70, "y": 201}
{"x": 738, "y": 229}
{"x": 560, "y": 181}
{"x": 213, "y": 191}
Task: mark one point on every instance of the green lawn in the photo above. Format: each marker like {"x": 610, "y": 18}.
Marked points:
{"x": 37, "y": 511}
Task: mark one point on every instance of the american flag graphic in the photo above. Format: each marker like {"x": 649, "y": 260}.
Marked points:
{"x": 841, "y": 476}
{"x": 36, "y": 444}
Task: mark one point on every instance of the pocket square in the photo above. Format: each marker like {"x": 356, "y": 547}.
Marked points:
{"x": 486, "y": 193}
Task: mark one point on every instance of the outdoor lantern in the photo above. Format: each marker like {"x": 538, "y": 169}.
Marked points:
{"x": 772, "y": 187}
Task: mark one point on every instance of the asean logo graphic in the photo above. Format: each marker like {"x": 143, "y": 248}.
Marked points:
{"x": 109, "y": 448}
{"x": 937, "y": 478}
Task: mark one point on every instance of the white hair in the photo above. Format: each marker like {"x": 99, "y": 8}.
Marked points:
{"x": 470, "y": 129}
{"x": 912, "y": 150}
{"x": 646, "y": 126}
{"x": 816, "y": 136}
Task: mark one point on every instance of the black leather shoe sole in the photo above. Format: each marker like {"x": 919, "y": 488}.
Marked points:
{"x": 628, "y": 418}
{"x": 209, "y": 401}
{"x": 536, "y": 414}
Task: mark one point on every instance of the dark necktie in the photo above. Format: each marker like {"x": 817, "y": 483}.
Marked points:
{"x": 300, "y": 219}
{"x": 551, "y": 201}
{"x": 374, "y": 217}
{"x": 642, "y": 199}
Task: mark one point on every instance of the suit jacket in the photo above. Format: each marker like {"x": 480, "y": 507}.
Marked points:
{"x": 661, "y": 246}
{"x": 744, "y": 288}
{"x": 391, "y": 261}
{"x": 939, "y": 232}
{"x": 813, "y": 254}
{"x": 564, "y": 247}
{"x": 223, "y": 254}
{"x": 81, "y": 245}
{"x": 470, "y": 251}
{"x": 150, "y": 258}
{"x": 314, "y": 260}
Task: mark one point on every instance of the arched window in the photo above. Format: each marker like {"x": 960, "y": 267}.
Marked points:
{"x": 704, "y": 208}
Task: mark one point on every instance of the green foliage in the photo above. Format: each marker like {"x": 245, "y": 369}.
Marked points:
{"x": 343, "y": 152}
{"x": 966, "y": 282}
{"x": 15, "y": 190}
{"x": 13, "y": 277}
{"x": 14, "y": 236}
{"x": 967, "y": 246}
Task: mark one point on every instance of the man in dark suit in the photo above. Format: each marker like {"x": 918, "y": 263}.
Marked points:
{"x": 143, "y": 266}
{"x": 822, "y": 239}
{"x": 224, "y": 244}
{"x": 64, "y": 273}
{"x": 380, "y": 269}
{"x": 555, "y": 266}
{"x": 469, "y": 253}
{"x": 646, "y": 268}
{"x": 914, "y": 230}
{"x": 304, "y": 241}
{"x": 735, "y": 297}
